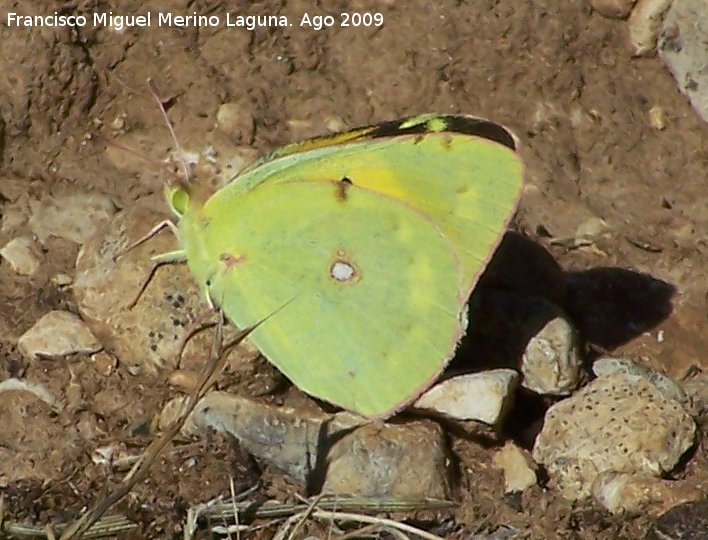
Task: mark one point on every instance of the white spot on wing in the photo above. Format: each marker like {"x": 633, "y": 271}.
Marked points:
{"x": 342, "y": 271}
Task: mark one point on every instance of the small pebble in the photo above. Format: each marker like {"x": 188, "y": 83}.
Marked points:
{"x": 23, "y": 254}
{"x": 62, "y": 280}
{"x": 656, "y": 118}
{"x": 518, "y": 475}
{"x": 104, "y": 363}
{"x": 615, "y": 9}
{"x": 37, "y": 389}
{"x": 184, "y": 379}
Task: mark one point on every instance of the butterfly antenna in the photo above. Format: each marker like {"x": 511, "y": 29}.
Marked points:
{"x": 153, "y": 163}
{"x": 180, "y": 153}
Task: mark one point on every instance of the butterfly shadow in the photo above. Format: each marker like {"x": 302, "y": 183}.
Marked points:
{"x": 524, "y": 288}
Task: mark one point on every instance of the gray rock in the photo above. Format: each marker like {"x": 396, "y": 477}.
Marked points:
{"x": 696, "y": 390}
{"x": 340, "y": 452}
{"x": 552, "y": 360}
{"x": 407, "y": 461}
{"x": 58, "y": 333}
{"x": 683, "y": 46}
{"x": 617, "y": 423}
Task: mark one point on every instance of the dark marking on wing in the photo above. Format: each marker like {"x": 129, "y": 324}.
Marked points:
{"x": 467, "y": 125}
{"x": 342, "y": 187}
{"x": 230, "y": 260}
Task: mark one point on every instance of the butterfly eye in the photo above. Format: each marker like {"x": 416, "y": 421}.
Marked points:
{"x": 178, "y": 200}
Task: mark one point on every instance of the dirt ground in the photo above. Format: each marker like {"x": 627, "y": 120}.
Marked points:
{"x": 622, "y": 206}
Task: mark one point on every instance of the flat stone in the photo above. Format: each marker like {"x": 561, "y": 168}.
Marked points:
{"x": 617, "y": 423}
{"x": 58, "y": 333}
{"x": 485, "y": 396}
{"x": 72, "y": 216}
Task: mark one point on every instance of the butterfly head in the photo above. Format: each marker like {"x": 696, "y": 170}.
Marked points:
{"x": 178, "y": 198}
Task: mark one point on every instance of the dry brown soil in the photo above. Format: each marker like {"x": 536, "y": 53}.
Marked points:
{"x": 558, "y": 74}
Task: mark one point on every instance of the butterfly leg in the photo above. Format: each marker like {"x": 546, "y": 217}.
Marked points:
{"x": 152, "y": 232}
{"x": 203, "y": 322}
{"x": 171, "y": 257}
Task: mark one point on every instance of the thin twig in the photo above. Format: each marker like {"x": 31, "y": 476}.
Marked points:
{"x": 385, "y": 522}
{"x": 139, "y": 471}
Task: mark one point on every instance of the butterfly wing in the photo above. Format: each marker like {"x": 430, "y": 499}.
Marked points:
{"x": 360, "y": 249}
{"x": 362, "y": 294}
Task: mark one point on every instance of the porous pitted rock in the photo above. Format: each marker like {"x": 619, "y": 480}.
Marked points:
{"x": 617, "y": 423}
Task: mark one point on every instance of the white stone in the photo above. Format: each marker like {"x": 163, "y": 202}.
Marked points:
{"x": 484, "y": 396}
